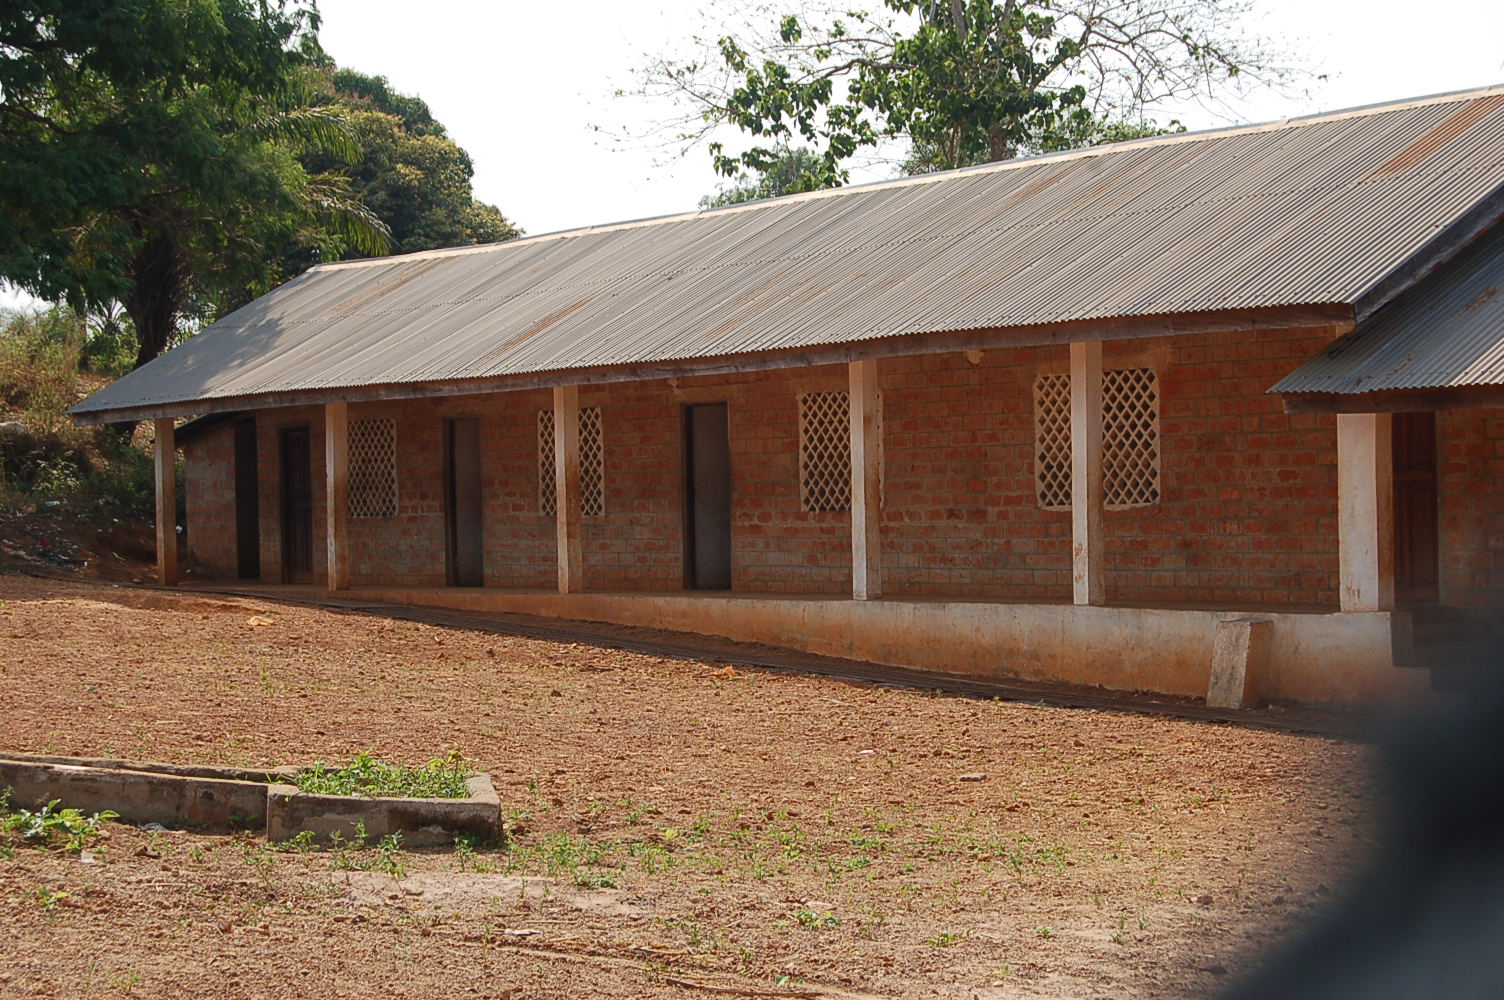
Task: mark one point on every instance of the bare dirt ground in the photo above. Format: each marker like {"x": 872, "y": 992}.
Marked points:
{"x": 681, "y": 829}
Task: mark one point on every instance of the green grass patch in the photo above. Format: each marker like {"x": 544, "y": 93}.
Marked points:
{"x": 368, "y": 777}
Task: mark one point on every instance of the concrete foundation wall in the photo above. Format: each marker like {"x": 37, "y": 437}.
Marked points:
{"x": 1328, "y": 659}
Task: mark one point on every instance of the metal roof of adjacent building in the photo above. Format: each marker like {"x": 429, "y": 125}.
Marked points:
{"x": 1447, "y": 332}
{"x": 1320, "y": 210}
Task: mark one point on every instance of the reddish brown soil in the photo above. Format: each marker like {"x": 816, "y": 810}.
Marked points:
{"x": 683, "y": 829}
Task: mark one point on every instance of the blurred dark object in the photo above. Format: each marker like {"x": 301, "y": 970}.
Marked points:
{"x": 1426, "y": 919}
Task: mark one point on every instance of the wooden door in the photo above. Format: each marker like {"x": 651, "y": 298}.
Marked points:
{"x": 462, "y": 526}
{"x": 297, "y": 506}
{"x": 1416, "y": 548}
{"x": 247, "y": 504}
{"x": 707, "y": 500}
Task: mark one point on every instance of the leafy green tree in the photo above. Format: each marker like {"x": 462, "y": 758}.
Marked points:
{"x": 792, "y": 170}
{"x": 408, "y": 171}
{"x": 958, "y": 81}
{"x": 149, "y": 154}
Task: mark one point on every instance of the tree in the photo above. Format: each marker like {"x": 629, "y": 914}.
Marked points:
{"x": 790, "y": 171}
{"x": 149, "y": 153}
{"x": 960, "y": 81}
{"x": 408, "y": 171}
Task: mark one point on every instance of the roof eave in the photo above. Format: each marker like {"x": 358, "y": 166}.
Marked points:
{"x": 1459, "y": 397}
{"x": 1336, "y": 318}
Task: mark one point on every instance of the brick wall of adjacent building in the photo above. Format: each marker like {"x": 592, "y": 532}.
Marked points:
{"x": 209, "y": 498}
{"x": 1471, "y": 507}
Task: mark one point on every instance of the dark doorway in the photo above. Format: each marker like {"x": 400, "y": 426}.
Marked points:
{"x": 1416, "y": 552}
{"x": 707, "y": 497}
{"x": 462, "y": 525}
{"x": 247, "y": 504}
{"x": 297, "y": 506}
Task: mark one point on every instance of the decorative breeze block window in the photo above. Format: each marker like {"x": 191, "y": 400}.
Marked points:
{"x": 592, "y": 464}
{"x": 1052, "y": 441}
{"x": 372, "y": 453}
{"x": 1130, "y": 439}
{"x": 825, "y": 451}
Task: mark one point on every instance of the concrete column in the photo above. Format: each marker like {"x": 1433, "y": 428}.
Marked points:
{"x": 1088, "y": 580}
{"x": 866, "y": 493}
{"x": 337, "y": 493}
{"x": 167, "y": 502}
{"x": 567, "y": 487}
{"x": 1365, "y": 511}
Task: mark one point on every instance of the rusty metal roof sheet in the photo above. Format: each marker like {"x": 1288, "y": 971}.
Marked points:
{"x": 1447, "y": 332}
{"x": 1320, "y": 210}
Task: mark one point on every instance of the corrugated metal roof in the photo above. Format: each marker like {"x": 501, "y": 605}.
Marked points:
{"x": 1447, "y": 332}
{"x": 1311, "y": 211}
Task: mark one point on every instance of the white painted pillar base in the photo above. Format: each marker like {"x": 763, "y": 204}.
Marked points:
{"x": 866, "y": 483}
{"x": 166, "y": 455}
{"x": 1365, "y": 511}
{"x": 567, "y": 488}
{"x": 1088, "y": 577}
{"x": 337, "y": 494}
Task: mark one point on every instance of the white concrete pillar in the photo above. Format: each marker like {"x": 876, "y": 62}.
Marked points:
{"x": 1365, "y": 511}
{"x": 166, "y": 454}
{"x": 337, "y": 493}
{"x": 1088, "y": 578}
{"x": 866, "y": 482}
{"x": 567, "y": 487}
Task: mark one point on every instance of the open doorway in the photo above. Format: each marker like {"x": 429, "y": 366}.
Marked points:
{"x": 297, "y": 506}
{"x": 1416, "y": 548}
{"x": 707, "y": 497}
{"x": 462, "y": 522}
{"x": 247, "y": 503}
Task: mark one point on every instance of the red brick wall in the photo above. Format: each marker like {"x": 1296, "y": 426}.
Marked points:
{"x": 209, "y": 493}
{"x": 1248, "y": 512}
{"x": 406, "y": 548}
{"x": 960, "y": 515}
{"x": 1471, "y": 498}
{"x": 777, "y": 546}
{"x": 521, "y": 550}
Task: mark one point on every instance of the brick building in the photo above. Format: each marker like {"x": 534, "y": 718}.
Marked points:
{"x": 1012, "y": 421}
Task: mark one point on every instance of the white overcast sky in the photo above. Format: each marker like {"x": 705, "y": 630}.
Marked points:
{"x": 524, "y": 87}
{"x": 521, "y": 85}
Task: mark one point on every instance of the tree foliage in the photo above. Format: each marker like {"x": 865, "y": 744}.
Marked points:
{"x": 149, "y": 154}
{"x": 789, "y": 171}
{"x": 958, "y": 81}
{"x": 408, "y": 171}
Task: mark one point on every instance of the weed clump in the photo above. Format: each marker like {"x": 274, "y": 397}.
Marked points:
{"x": 50, "y": 826}
{"x": 366, "y": 776}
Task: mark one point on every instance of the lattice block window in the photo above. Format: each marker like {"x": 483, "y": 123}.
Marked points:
{"x": 548, "y": 488}
{"x": 372, "y": 453}
{"x": 825, "y": 451}
{"x": 592, "y": 464}
{"x": 1052, "y": 441}
{"x": 1130, "y": 438}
